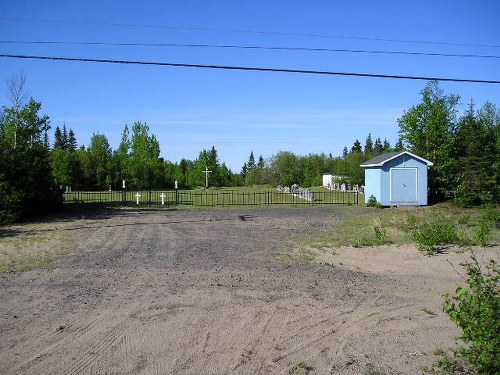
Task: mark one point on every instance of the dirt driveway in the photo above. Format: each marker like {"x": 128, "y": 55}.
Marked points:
{"x": 219, "y": 292}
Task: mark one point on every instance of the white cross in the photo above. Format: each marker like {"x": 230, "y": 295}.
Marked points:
{"x": 162, "y": 195}
{"x": 137, "y": 196}
{"x": 206, "y": 171}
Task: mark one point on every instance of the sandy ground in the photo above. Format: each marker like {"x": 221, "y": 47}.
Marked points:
{"x": 220, "y": 292}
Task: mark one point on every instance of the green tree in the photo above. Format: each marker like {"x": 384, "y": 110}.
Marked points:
{"x": 261, "y": 163}
{"x": 477, "y": 154}
{"x": 64, "y": 159}
{"x": 386, "y": 147}
{"x": 286, "y": 170}
{"x": 428, "y": 130}
{"x": 145, "y": 167}
{"x": 251, "y": 161}
{"x": 356, "y": 147}
{"x": 368, "y": 150}
{"x": 399, "y": 145}
{"x": 72, "y": 145}
{"x": 378, "y": 148}
{"x": 121, "y": 158}
{"x": 244, "y": 170}
{"x": 476, "y": 312}
{"x": 312, "y": 167}
{"x": 27, "y": 185}
{"x": 100, "y": 155}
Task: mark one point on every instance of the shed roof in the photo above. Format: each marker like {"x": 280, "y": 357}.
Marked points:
{"x": 379, "y": 161}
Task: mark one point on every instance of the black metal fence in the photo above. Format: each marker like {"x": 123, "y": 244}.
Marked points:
{"x": 210, "y": 198}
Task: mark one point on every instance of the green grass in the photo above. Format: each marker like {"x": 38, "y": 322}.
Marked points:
{"x": 28, "y": 262}
{"x": 428, "y": 227}
{"x": 247, "y": 196}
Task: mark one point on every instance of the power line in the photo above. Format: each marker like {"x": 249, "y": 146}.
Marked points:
{"x": 243, "y": 31}
{"x": 249, "y": 47}
{"x": 248, "y": 68}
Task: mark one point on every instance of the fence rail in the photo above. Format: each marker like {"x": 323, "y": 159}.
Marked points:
{"x": 209, "y": 198}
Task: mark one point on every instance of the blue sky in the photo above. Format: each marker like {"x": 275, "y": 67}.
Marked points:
{"x": 238, "y": 111}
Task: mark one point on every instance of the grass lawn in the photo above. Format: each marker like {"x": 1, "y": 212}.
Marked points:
{"x": 245, "y": 196}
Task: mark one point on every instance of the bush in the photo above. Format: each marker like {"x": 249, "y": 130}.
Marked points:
{"x": 429, "y": 236}
{"x": 372, "y": 202}
{"x": 487, "y": 222}
{"x": 476, "y": 311}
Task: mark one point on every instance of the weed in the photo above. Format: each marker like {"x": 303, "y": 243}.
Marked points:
{"x": 411, "y": 223}
{"x": 305, "y": 256}
{"x": 438, "y": 352}
{"x": 428, "y": 311}
{"x": 476, "y": 310}
{"x": 304, "y": 366}
{"x": 380, "y": 235}
{"x": 372, "y": 202}
{"x": 487, "y": 222}
{"x": 371, "y": 370}
{"x": 464, "y": 219}
{"x": 432, "y": 235}
{"x": 448, "y": 364}
{"x": 327, "y": 264}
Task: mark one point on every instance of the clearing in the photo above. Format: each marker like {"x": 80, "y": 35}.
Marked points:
{"x": 217, "y": 292}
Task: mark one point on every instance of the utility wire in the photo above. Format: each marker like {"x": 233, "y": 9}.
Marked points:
{"x": 248, "y": 68}
{"x": 205, "y": 29}
{"x": 248, "y": 47}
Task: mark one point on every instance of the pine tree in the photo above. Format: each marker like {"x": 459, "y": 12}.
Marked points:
{"x": 58, "y": 140}
{"x": 64, "y": 138}
{"x": 356, "y": 147}
{"x": 345, "y": 152}
{"x": 378, "y": 148}
{"x": 261, "y": 163}
{"x": 368, "y": 145}
{"x": 399, "y": 145}
{"x": 251, "y": 161}
{"x": 72, "y": 145}
{"x": 386, "y": 146}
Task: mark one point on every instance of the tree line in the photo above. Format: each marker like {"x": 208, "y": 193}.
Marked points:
{"x": 137, "y": 161}
{"x": 465, "y": 151}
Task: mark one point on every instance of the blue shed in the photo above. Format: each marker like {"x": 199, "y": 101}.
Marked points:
{"x": 397, "y": 179}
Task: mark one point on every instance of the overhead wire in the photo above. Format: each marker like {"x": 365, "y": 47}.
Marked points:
{"x": 256, "y": 32}
{"x": 249, "y": 47}
{"x": 248, "y": 68}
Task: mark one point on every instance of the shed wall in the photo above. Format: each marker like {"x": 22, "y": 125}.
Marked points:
{"x": 400, "y": 181}
{"x": 373, "y": 184}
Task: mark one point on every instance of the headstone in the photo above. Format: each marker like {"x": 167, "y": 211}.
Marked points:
{"x": 137, "y": 196}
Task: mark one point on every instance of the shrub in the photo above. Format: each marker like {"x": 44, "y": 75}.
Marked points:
{"x": 488, "y": 220}
{"x": 429, "y": 236}
{"x": 380, "y": 235}
{"x": 372, "y": 202}
{"x": 476, "y": 311}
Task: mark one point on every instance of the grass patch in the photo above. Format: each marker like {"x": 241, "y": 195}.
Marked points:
{"x": 430, "y": 228}
{"x": 28, "y": 262}
{"x": 305, "y": 366}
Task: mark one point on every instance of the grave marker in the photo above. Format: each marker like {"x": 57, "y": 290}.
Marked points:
{"x": 206, "y": 171}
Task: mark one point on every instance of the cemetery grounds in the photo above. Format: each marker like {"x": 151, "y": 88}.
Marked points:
{"x": 233, "y": 291}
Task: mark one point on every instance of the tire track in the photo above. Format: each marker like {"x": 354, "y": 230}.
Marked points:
{"x": 97, "y": 351}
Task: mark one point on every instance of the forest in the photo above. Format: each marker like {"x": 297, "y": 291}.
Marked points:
{"x": 465, "y": 150}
